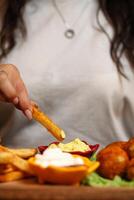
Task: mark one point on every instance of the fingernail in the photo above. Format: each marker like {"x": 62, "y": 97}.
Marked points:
{"x": 28, "y": 114}
{"x": 16, "y": 100}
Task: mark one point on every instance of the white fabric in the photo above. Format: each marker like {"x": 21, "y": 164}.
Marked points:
{"x": 73, "y": 80}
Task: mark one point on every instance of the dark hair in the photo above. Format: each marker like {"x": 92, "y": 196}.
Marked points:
{"x": 119, "y": 13}
{"x": 12, "y": 23}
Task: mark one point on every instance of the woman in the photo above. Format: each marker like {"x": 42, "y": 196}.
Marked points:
{"x": 78, "y": 69}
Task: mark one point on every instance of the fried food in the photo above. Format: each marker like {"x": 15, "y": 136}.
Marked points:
{"x": 113, "y": 161}
{"x": 48, "y": 124}
{"x": 14, "y": 164}
{"x": 10, "y": 158}
{"x": 12, "y": 176}
{"x": 123, "y": 145}
{"x": 23, "y": 153}
{"x": 5, "y": 158}
{"x": 7, "y": 168}
{"x": 130, "y": 148}
{"x": 130, "y": 170}
{"x": 2, "y": 167}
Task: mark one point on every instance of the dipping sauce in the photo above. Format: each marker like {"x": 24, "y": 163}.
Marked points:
{"x": 55, "y": 157}
{"x": 75, "y": 145}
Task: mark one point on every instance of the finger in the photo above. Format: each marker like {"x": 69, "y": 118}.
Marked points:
{"x": 28, "y": 114}
{"x": 16, "y": 101}
{"x": 6, "y": 87}
{"x": 15, "y": 92}
{"x": 25, "y": 105}
{"x": 24, "y": 101}
{"x": 3, "y": 98}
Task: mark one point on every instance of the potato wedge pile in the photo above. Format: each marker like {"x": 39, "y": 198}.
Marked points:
{"x": 14, "y": 164}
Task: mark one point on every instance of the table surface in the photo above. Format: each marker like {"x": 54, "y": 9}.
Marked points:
{"x": 30, "y": 190}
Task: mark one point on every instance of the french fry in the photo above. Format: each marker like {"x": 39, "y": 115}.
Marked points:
{"x": 5, "y": 157}
{"x": 13, "y": 165}
{"x": 23, "y": 153}
{"x": 10, "y": 158}
{"x": 3, "y": 167}
{"x": 2, "y": 148}
{"x": 12, "y": 176}
{"x": 43, "y": 119}
{"x": 7, "y": 168}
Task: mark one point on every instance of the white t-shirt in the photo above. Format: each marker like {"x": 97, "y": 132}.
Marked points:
{"x": 74, "y": 81}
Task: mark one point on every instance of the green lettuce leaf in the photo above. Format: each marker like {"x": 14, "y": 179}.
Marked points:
{"x": 95, "y": 179}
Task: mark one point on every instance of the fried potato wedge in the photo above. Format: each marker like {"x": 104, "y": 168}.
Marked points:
{"x": 12, "y": 176}
{"x": 23, "y": 153}
{"x": 10, "y": 158}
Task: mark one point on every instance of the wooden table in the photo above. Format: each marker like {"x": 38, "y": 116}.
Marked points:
{"x": 30, "y": 190}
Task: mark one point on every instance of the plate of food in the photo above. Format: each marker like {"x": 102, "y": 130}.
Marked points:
{"x": 53, "y": 166}
{"x": 71, "y": 163}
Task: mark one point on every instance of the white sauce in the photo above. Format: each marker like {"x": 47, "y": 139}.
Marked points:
{"x": 55, "y": 157}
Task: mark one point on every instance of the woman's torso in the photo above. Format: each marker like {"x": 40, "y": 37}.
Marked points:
{"x": 74, "y": 80}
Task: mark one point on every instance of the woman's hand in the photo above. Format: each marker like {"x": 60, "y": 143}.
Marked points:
{"x": 12, "y": 89}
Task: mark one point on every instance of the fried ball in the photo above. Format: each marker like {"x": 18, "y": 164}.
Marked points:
{"x": 113, "y": 161}
{"x": 130, "y": 148}
{"x": 123, "y": 145}
{"x": 130, "y": 169}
